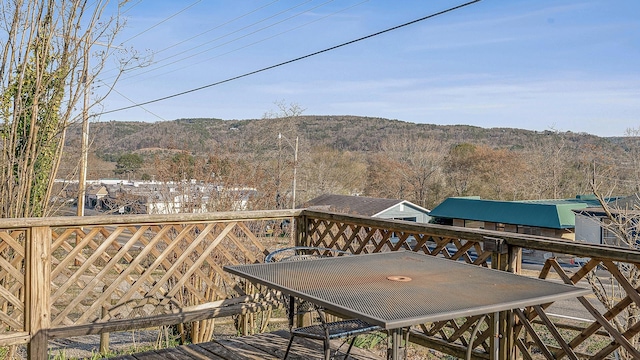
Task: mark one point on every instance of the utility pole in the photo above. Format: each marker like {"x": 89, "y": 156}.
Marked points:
{"x": 278, "y": 171}
{"x": 84, "y": 151}
{"x": 295, "y": 166}
{"x": 85, "y": 133}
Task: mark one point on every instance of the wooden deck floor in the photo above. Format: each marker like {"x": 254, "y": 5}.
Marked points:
{"x": 255, "y": 347}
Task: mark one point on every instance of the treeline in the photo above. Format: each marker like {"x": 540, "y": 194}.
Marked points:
{"x": 421, "y": 163}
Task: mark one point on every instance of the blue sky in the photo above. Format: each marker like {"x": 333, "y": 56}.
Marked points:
{"x": 565, "y": 65}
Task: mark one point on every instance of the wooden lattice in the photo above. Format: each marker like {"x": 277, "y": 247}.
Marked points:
{"x": 114, "y": 272}
{"x": 536, "y": 332}
{"x": 358, "y": 239}
{"x": 100, "y": 274}
{"x": 617, "y": 326}
{"x": 12, "y": 280}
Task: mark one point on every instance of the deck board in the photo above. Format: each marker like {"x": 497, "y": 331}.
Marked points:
{"x": 236, "y": 350}
{"x": 197, "y": 352}
{"x": 269, "y": 346}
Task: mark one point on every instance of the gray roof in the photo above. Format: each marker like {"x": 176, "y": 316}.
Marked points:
{"x": 627, "y": 206}
{"x": 628, "y": 203}
{"x": 360, "y": 205}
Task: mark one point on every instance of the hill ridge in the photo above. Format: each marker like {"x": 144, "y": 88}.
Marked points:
{"x": 343, "y": 132}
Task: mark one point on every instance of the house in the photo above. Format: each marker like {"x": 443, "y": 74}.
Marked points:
{"x": 94, "y": 196}
{"x": 151, "y": 197}
{"x": 592, "y": 223}
{"x": 551, "y": 218}
{"x": 369, "y": 206}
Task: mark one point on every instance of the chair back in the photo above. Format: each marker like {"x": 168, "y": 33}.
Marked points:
{"x": 297, "y": 253}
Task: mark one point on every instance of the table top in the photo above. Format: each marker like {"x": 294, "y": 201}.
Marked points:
{"x": 401, "y": 288}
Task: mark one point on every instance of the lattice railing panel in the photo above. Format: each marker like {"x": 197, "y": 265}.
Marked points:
{"x": 103, "y": 272}
{"x": 12, "y": 253}
{"x": 614, "y": 308}
{"x": 609, "y": 322}
{"x": 107, "y": 272}
{"x": 612, "y": 333}
{"x": 358, "y": 238}
{"x": 367, "y": 239}
{"x": 459, "y": 331}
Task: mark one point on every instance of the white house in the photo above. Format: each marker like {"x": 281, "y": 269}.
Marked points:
{"x": 591, "y": 223}
{"x": 368, "y": 206}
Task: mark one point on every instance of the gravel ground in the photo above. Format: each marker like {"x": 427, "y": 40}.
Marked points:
{"x": 82, "y": 347}
{"x": 86, "y": 347}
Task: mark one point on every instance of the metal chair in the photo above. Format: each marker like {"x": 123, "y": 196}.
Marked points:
{"x": 297, "y": 253}
{"x": 325, "y": 331}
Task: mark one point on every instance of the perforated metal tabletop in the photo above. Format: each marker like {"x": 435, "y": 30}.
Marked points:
{"x": 400, "y": 289}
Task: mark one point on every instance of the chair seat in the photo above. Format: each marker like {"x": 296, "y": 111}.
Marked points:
{"x": 336, "y": 329}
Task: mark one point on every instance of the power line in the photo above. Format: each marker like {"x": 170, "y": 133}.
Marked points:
{"x": 147, "y": 29}
{"x": 155, "y": 62}
{"x": 218, "y": 38}
{"x": 219, "y": 26}
{"x": 250, "y": 44}
{"x": 292, "y": 60}
{"x": 236, "y": 39}
{"x": 133, "y": 102}
{"x": 131, "y": 7}
{"x": 161, "y": 22}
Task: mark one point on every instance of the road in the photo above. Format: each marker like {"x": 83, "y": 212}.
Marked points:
{"x": 572, "y": 308}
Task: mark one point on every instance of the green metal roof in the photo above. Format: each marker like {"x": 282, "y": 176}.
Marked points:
{"x": 553, "y": 214}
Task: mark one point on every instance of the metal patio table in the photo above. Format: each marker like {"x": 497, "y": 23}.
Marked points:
{"x": 396, "y": 290}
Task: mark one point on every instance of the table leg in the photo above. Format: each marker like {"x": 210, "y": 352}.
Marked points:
{"x": 495, "y": 334}
{"x": 291, "y": 312}
{"x": 472, "y": 337}
{"x": 393, "y": 349}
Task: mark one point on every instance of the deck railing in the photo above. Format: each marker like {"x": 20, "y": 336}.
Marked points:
{"x": 607, "y": 325}
{"x": 71, "y": 276}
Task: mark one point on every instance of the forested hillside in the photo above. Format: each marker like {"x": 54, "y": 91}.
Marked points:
{"x": 340, "y": 132}
{"x": 422, "y": 163}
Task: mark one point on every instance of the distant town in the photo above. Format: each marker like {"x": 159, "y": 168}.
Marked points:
{"x": 115, "y": 196}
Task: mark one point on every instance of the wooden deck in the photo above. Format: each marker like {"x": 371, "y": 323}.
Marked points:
{"x": 255, "y": 347}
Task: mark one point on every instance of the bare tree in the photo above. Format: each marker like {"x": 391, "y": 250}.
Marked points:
{"x": 632, "y": 162}
{"x": 459, "y": 167}
{"x": 552, "y": 168}
{"x": 499, "y": 173}
{"x": 287, "y": 142}
{"x": 379, "y": 183}
{"x": 331, "y": 171}
{"x": 48, "y": 62}
{"x": 419, "y": 167}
